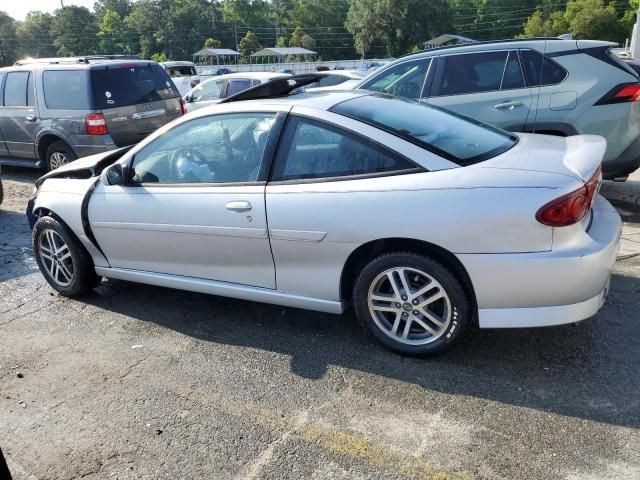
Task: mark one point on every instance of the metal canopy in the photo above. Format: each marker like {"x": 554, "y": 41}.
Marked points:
{"x": 216, "y": 56}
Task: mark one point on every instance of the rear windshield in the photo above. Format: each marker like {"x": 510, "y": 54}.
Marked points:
{"x": 66, "y": 89}
{"x": 130, "y": 84}
{"x": 459, "y": 139}
{"x": 181, "y": 71}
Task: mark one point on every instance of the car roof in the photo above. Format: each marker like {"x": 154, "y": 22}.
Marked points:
{"x": 64, "y": 64}
{"x": 552, "y": 44}
{"x": 177, "y": 63}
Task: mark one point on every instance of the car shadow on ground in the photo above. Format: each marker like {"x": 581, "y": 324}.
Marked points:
{"x": 587, "y": 370}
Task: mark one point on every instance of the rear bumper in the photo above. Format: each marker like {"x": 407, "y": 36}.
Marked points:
{"x": 628, "y": 162}
{"x": 564, "y": 285}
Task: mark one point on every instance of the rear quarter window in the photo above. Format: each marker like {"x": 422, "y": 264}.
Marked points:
{"x": 130, "y": 84}
{"x": 539, "y": 70}
{"x": 66, "y": 90}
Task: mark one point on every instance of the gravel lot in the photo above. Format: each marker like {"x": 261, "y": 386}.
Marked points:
{"x": 140, "y": 382}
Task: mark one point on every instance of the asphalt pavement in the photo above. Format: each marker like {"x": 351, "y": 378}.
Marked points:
{"x": 141, "y": 382}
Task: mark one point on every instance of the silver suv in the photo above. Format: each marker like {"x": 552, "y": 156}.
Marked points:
{"x": 552, "y": 86}
{"x": 55, "y": 110}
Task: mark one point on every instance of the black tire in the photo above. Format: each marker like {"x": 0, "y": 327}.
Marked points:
{"x": 459, "y": 305}
{"x": 79, "y": 263}
{"x": 1, "y": 192}
{"x": 59, "y": 147}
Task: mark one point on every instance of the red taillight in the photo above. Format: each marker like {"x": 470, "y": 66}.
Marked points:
{"x": 572, "y": 207}
{"x": 96, "y": 124}
{"x": 629, "y": 92}
{"x": 183, "y": 105}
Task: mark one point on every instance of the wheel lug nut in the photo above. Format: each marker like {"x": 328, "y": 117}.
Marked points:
{"x": 398, "y": 305}
{"x": 415, "y": 312}
{"x": 415, "y": 302}
{"x": 405, "y": 314}
{"x": 404, "y": 297}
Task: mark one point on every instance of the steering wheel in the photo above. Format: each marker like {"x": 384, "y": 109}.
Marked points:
{"x": 189, "y": 154}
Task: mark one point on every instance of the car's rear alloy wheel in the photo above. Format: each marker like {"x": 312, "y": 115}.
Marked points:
{"x": 411, "y": 303}
{"x": 59, "y": 154}
{"x": 56, "y": 257}
{"x": 57, "y": 159}
{"x": 63, "y": 260}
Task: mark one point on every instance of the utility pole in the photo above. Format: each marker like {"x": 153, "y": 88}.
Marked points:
{"x": 61, "y": 3}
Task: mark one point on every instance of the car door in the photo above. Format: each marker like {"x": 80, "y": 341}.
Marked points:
{"x": 486, "y": 86}
{"x": 18, "y": 114}
{"x": 322, "y": 176}
{"x": 206, "y": 94}
{"x": 194, "y": 202}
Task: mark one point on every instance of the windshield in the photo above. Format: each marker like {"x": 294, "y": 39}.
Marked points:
{"x": 459, "y": 139}
{"x": 129, "y": 84}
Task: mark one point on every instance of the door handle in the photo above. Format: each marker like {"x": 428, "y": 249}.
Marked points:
{"x": 238, "y": 206}
{"x": 507, "y": 105}
{"x": 31, "y": 118}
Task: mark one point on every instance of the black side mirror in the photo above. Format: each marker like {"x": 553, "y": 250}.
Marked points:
{"x": 188, "y": 98}
{"x": 113, "y": 175}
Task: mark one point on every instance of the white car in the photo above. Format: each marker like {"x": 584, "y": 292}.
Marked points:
{"x": 214, "y": 90}
{"x": 337, "y": 80}
{"x": 424, "y": 221}
{"x": 183, "y": 75}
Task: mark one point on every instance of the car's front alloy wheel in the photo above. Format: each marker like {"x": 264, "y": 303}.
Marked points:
{"x": 63, "y": 260}
{"x": 411, "y": 303}
{"x": 56, "y": 257}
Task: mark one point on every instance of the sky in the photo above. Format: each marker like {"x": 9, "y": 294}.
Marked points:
{"x": 19, "y": 9}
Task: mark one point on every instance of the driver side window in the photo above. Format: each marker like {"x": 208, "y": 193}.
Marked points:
{"x": 403, "y": 80}
{"x": 214, "y": 149}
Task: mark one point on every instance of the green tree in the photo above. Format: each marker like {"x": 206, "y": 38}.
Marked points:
{"x": 121, "y": 7}
{"x": 73, "y": 30}
{"x": 586, "y": 19}
{"x": 300, "y": 39}
{"x": 34, "y": 36}
{"x": 249, "y": 44}
{"x": 159, "y": 57}
{"x": 112, "y": 34}
{"x": 490, "y": 20}
{"x": 324, "y": 21}
{"x": 142, "y": 21}
{"x": 8, "y": 40}
{"x": 212, "y": 43}
{"x": 401, "y": 24}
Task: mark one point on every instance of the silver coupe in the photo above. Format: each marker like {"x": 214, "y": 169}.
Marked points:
{"x": 423, "y": 220}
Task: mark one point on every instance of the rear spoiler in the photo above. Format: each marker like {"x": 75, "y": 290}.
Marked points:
{"x": 279, "y": 87}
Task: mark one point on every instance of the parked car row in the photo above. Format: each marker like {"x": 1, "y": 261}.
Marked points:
{"x": 53, "y": 111}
